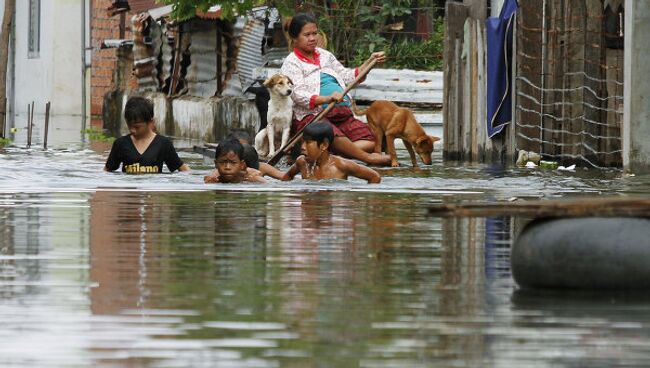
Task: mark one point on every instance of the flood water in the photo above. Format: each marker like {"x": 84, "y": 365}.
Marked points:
{"x": 106, "y": 270}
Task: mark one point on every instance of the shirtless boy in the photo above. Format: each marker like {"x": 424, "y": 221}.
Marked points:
{"x": 230, "y": 165}
{"x": 142, "y": 150}
{"x": 317, "y": 163}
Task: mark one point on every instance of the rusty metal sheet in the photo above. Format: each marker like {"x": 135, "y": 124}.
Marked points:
{"x": 202, "y": 72}
{"x": 250, "y": 55}
{"x": 139, "y": 6}
{"x": 214, "y": 12}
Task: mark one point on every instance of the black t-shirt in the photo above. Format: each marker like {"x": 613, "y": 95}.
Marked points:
{"x": 161, "y": 150}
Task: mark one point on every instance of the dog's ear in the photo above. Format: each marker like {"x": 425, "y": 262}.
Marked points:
{"x": 425, "y": 142}
{"x": 268, "y": 83}
{"x": 289, "y": 79}
{"x": 434, "y": 138}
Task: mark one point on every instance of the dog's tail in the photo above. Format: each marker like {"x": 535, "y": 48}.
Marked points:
{"x": 356, "y": 109}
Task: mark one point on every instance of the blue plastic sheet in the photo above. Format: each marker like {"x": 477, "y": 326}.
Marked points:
{"x": 499, "y": 66}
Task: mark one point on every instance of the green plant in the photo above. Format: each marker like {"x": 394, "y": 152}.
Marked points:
{"x": 4, "y": 142}
{"x": 186, "y": 9}
{"x": 96, "y": 135}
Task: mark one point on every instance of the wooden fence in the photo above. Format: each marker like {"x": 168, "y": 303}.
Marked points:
{"x": 568, "y": 84}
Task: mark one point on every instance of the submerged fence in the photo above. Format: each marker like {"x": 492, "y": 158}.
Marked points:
{"x": 568, "y": 83}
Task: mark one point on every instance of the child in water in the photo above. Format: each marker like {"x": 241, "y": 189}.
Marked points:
{"x": 317, "y": 163}
{"x": 230, "y": 165}
{"x": 251, "y": 157}
{"x": 142, "y": 150}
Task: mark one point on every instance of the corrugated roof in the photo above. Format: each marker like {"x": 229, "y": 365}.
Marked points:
{"x": 139, "y": 6}
{"x": 202, "y": 75}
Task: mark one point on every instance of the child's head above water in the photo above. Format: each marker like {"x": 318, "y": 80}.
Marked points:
{"x": 138, "y": 114}
{"x": 251, "y": 157}
{"x": 317, "y": 139}
{"x": 240, "y": 134}
{"x": 229, "y": 161}
{"x": 138, "y": 110}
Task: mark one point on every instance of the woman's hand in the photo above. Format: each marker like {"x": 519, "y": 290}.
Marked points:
{"x": 333, "y": 98}
{"x": 379, "y": 56}
{"x": 336, "y": 97}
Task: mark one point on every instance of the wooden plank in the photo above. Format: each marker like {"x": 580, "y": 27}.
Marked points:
{"x": 511, "y": 140}
{"x": 477, "y": 9}
{"x": 584, "y": 207}
{"x": 466, "y": 102}
{"x": 474, "y": 96}
{"x": 455, "y": 15}
{"x": 204, "y": 150}
{"x": 484, "y": 143}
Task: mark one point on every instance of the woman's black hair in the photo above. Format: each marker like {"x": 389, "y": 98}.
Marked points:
{"x": 229, "y": 145}
{"x": 299, "y": 21}
{"x": 318, "y": 132}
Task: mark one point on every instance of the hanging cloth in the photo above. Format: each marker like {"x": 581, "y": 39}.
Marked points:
{"x": 499, "y": 66}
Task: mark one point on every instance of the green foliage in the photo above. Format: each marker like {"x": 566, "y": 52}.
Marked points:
{"x": 406, "y": 54}
{"x": 4, "y": 142}
{"x": 360, "y": 27}
{"x": 186, "y": 9}
{"x": 354, "y": 28}
{"x": 96, "y": 135}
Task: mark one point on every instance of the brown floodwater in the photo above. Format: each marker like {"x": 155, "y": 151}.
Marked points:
{"x": 105, "y": 269}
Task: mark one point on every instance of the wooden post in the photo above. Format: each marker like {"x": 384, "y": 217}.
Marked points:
{"x": 4, "y": 121}
{"x": 30, "y": 113}
{"x": 47, "y": 123}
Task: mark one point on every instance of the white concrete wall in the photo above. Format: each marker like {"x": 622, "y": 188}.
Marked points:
{"x": 636, "y": 125}
{"x": 56, "y": 75}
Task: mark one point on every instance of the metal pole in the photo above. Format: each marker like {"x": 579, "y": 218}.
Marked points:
{"x": 543, "y": 82}
{"x": 47, "y": 123}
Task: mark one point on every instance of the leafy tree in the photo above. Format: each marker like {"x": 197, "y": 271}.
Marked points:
{"x": 354, "y": 28}
{"x": 185, "y": 9}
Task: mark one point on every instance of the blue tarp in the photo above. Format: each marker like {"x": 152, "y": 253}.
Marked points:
{"x": 499, "y": 63}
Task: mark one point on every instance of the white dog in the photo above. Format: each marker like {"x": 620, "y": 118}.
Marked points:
{"x": 278, "y": 116}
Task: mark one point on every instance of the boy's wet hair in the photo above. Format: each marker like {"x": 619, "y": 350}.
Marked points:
{"x": 318, "y": 132}
{"x": 240, "y": 134}
{"x": 229, "y": 145}
{"x": 297, "y": 22}
{"x": 251, "y": 157}
{"x": 138, "y": 110}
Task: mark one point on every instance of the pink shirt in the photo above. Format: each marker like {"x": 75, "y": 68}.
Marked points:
{"x": 305, "y": 75}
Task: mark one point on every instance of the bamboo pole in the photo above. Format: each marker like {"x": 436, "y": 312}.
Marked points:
{"x": 47, "y": 123}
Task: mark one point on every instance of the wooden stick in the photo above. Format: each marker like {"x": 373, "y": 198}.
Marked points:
{"x": 47, "y": 123}
{"x": 30, "y": 119}
{"x": 4, "y": 119}
{"x": 583, "y": 207}
{"x": 283, "y": 150}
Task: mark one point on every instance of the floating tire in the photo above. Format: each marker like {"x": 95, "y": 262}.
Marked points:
{"x": 583, "y": 253}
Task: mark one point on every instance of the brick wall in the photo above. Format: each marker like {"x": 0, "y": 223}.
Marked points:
{"x": 104, "y": 62}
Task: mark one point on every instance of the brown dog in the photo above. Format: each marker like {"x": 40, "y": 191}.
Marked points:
{"x": 389, "y": 120}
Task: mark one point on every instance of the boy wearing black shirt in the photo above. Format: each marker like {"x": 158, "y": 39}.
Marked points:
{"x": 142, "y": 151}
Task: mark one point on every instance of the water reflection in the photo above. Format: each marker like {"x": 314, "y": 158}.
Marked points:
{"x": 110, "y": 270}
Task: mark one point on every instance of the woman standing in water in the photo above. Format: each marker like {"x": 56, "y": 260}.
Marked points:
{"x": 319, "y": 79}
